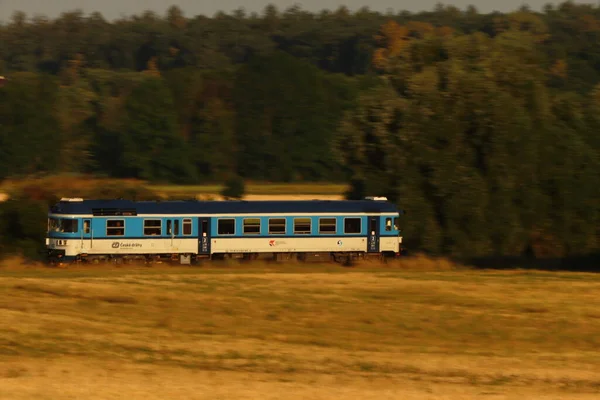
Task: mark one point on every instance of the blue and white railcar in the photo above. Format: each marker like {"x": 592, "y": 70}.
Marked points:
{"x": 89, "y": 230}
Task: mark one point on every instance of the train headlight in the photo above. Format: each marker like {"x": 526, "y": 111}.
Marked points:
{"x": 399, "y": 239}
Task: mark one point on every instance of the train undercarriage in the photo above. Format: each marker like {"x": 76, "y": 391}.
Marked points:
{"x": 343, "y": 258}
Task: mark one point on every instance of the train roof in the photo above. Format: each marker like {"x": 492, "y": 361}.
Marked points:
{"x": 128, "y": 207}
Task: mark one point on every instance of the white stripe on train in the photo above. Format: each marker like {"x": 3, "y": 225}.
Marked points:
{"x": 75, "y": 247}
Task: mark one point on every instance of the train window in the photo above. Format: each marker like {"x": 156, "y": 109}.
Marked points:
{"x": 168, "y": 227}
{"x": 226, "y": 227}
{"x": 396, "y": 226}
{"x": 277, "y": 226}
{"x": 176, "y": 227}
{"x": 187, "y": 226}
{"x": 327, "y": 225}
{"x": 352, "y": 225}
{"x": 153, "y": 227}
{"x": 115, "y": 227}
{"x": 63, "y": 225}
{"x": 251, "y": 226}
{"x": 53, "y": 224}
{"x": 70, "y": 225}
{"x": 388, "y": 224}
{"x": 302, "y": 226}
{"x": 87, "y": 226}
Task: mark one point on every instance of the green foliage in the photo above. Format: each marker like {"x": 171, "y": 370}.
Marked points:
{"x": 234, "y": 188}
{"x": 471, "y": 146}
{"x": 23, "y": 228}
{"x": 483, "y": 126}
{"x": 150, "y": 147}
{"x": 29, "y": 131}
{"x": 285, "y": 119}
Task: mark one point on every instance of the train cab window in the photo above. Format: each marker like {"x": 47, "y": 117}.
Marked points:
{"x": 388, "y": 224}
{"x": 226, "y": 227}
{"x": 302, "y": 226}
{"x": 63, "y": 225}
{"x": 251, "y": 226}
{"x": 396, "y": 225}
{"x": 352, "y": 225}
{"x": 187, "y": 226}
{"x": 115, "y": 227}
{"x": 69, "y": 225}
{"x": 327, "y": 226}
{"x": 277, "y": 226}
{"x": 153, "y": 227}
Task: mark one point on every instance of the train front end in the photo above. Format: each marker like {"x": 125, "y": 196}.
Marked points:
{"x": 63, "y": 236}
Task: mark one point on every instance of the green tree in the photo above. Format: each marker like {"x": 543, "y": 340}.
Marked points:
{"x": 30, "y": 135}
{"x": 151, "y": 146}
{"x": 285, "y": 120}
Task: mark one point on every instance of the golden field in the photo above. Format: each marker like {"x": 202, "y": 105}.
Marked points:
{"x": 419, "y": 329}
{"x": 90, "y": 187}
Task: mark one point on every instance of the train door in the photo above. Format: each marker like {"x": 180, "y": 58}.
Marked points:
{"x": 373, "y": 246}
{"x": 173, "y": 233}
{"x": 86, "y": 235}
{"x": 204, "y": 236}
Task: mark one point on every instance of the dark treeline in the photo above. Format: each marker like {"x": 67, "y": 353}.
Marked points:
{"x": 484, "y": 127}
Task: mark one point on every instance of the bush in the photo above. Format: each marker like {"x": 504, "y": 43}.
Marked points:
{"x": 234, "y": 188}
{"x": 23, "y": 228}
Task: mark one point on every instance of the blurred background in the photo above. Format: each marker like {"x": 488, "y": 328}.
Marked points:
{"x": 483, "y": 126}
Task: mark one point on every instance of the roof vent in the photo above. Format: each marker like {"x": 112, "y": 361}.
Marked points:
{"x": 71, "y": 199}
{"x": 376, "y": 198}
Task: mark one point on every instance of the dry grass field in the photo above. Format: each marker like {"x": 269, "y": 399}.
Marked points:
{"x": 257, "y": 191}
{"x": 90, "y": 187}
{"x": 417, "y": 330}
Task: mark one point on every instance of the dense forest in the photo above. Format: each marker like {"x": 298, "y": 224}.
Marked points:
{"x": 484, "y": 127}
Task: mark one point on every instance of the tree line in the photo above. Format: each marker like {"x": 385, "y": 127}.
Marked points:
{"x": 484, "y": 127}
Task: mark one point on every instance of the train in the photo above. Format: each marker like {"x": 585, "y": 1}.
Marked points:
{"x": 191, "y": 231}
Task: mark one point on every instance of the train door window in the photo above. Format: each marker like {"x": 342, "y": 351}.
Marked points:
{"x": 277, "y": 226}
{"x": 388, "y": 224}
{"x": 176, "y": 227}
{"x": 169, "y": 229}
{"x": 352, "y": 225}
{"x": 187, "y": 226}
{"x": 251, "y": 226}
{"x": 115, "y": 227}
{"x": 302, "y": 226}
{"x": 87, "y": 226}
{"x": 153, "y": 227}
{"x": 396, "y": 226}
{"x": 372, "y": 225}
{"x": 226, "y": 227}
{"x": 327, "y": 226}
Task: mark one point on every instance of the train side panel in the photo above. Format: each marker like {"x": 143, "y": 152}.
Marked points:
{"x": 288, "y": 245}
